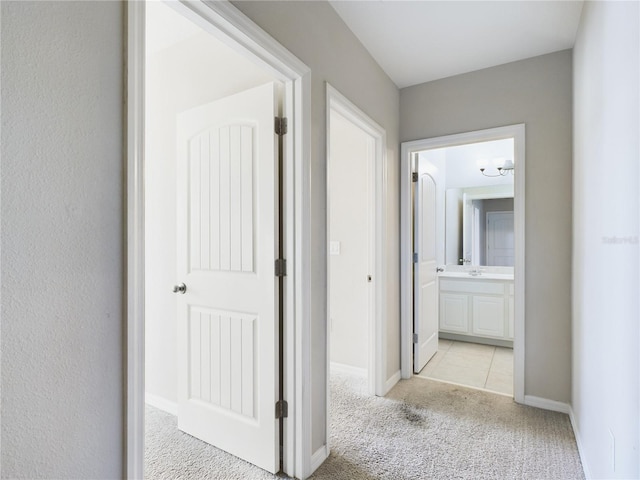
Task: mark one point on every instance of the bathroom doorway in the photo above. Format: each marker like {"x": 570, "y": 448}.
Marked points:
{"x": 479, "y": 304}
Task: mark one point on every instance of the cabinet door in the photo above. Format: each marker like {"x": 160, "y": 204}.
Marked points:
{"x": 488, "y": 316}
{"x": 454, "y": 312}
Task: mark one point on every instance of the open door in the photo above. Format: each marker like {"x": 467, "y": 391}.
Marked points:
{"x": 227, "y": 289}
{"x": 425, "y": 303}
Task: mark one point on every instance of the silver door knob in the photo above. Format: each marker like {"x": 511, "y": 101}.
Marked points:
{"x": 182, "y": 288}
{"x": 439, "y": 269}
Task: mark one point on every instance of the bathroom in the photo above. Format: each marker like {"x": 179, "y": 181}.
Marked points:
{"x": 475, "y": 252}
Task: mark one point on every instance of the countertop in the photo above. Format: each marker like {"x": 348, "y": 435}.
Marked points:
{"x": 482, "y": 276}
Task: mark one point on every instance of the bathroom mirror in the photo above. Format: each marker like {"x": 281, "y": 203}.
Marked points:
{"x": 479, "y": 226}
{"x": 478, "y": 205}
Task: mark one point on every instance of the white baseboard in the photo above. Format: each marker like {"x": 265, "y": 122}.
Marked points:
{"x": 561, "y": 407}
{"x": 318, "y": 458}
{"x": 581, "y": 452}
{"x": 348, "y": 369}
{"x": 161, "y": 403}
{"x": 547, "y": 404}
{"x": 389, "y": 384}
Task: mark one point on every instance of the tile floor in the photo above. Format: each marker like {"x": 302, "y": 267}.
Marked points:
{"x": 472, "y": 364}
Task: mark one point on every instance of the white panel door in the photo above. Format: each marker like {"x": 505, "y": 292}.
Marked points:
{"x": 500, "y": 239}
{"x": 227, "y": 322}
{"x": 425, "y": 307}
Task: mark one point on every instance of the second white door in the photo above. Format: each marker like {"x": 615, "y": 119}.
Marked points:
{"x": 425, "y": 309}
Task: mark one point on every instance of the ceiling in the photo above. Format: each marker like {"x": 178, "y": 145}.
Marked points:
{"x": 420, "y": 41}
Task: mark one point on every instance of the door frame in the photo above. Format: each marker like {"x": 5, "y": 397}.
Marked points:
{"x": 231, "y": 26}
{"x": 377, "y": 352}
{"x": 408, "y": 151}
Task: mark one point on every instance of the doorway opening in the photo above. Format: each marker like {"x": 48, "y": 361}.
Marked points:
{"x": 471, "y": 221}
{"x": 356, "y": 280}
{"x": 203, "y": 182}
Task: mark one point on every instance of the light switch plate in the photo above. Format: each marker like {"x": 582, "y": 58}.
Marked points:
{"x": 334, "y": 247}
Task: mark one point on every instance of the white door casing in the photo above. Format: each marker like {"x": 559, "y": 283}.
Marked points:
{"x": 227, "y": 244}
{"x": 225, "y": 21}
{"x": 425, "y": 311}
{"x": 500, "y": 239}
{"x": 409, "y": 150}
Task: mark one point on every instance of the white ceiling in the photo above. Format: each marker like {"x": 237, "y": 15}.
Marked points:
{"x": 419, "y": 41}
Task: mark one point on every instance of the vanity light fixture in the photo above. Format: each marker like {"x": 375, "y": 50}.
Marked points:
{"x": 504, "y": 169}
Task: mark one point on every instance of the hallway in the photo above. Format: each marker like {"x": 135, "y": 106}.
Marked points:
{"x": 421, "y": 430}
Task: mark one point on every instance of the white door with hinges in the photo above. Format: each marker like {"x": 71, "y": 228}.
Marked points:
{"x": 425, "y": 298}
{"x": 227, "y": 288}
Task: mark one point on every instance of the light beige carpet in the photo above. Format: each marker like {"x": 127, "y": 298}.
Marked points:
{"x": 422, "y": 430}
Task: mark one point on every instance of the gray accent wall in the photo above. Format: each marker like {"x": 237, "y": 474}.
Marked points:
{"x": 314, "y": 32}
{"x": 606, "y": 226}
{"x": 536, "y": 92}
{"x": 62, "y": 240}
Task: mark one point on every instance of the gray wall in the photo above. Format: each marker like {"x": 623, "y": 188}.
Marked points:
{"x": 606, "y": 369}
{"x": 316, "y": 35}
{"x": 62, "y": 240}
{"x": 536, "y": 92}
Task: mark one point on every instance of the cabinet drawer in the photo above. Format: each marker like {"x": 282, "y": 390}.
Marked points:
{"x": 486, "y": 287}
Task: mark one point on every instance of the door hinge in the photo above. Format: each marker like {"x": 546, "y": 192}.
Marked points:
{"x": 415, "y": 257}
{"x": 281, "y": 267}
{"x": 415, "y": 338}
{"x": 281, "y": 126}
{"x": 414, "y": 177}
{"x": 282, "y": 409}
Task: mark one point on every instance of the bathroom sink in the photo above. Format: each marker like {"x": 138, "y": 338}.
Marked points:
{"x": 480, "y": 276}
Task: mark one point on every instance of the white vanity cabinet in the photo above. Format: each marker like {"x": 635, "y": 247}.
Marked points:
{"x": 477, "y": 307}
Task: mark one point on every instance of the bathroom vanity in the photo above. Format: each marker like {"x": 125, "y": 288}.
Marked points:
{"x": 477, "y": 308}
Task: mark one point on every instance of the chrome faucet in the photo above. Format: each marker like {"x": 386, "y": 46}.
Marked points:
{"x": 475, "y": 271}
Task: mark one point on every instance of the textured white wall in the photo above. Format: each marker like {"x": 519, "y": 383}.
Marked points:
{"x": 314, "y": 32}
{"x": 62, "y": 240}
{"x": 537, "y": 92}
{"x": 606, "y": 362}
{"x": 349, "y": 223}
